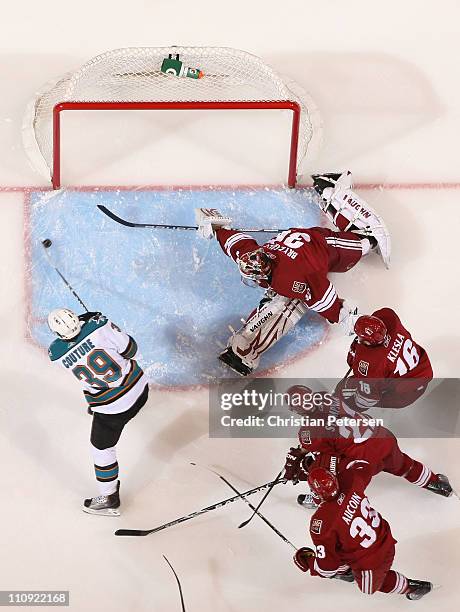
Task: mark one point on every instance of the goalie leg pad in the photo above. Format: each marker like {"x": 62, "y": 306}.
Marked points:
{"x": 266, "y": 325}
{"x": 349, "y": 212}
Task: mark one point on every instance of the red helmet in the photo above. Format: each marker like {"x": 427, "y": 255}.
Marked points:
{"x": 370, "y": 330}
{"x": 255, "y": 265}
{"x": 300, "y": 399}
{"x": 323, "y": 483}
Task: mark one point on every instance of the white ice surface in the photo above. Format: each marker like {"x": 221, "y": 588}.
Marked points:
{"x": 385, "y": 78}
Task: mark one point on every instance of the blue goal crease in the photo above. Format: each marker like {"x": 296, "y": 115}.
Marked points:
{"x": 174, "y": 292}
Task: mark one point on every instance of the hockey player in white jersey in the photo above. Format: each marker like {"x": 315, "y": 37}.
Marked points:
{"x": 100, "y": 356}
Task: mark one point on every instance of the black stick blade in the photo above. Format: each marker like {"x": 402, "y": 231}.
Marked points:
{"x": 244, "y": 523}
{"x": 131, "y": 532}
{"x": 113, "y": 216}
{"x": 178, "y": 584}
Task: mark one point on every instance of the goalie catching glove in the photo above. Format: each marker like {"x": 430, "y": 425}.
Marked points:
{"x": 349, "y": 212}
{"x": 210, "y": 219}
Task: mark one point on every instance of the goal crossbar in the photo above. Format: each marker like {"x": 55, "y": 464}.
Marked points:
{"x": 293, "y": 106}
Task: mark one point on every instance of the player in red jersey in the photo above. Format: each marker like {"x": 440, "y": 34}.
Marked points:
{"x": 351, "y": 538}
{"x": 339, "y": 431}
{"x": 293, "y": 267}
{"x": 390, "y": 370}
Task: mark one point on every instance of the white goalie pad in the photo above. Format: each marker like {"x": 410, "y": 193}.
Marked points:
{"x": 208, "y": 220}
{"x": 349, "y": 212}
{"x": 269, "y": 323}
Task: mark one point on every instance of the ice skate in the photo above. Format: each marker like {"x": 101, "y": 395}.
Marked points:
{"x": 308, "y": 501}
{"x": 418, "y": 588}
{"x": 440, "y": 486}
{"x": 234, "y": 362}
{"x": 104, "y": 505}
{"x": 347, "y": 576}
{"x": 330, "y": 180}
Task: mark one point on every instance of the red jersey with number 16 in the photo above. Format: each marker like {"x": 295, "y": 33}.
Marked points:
{"x": 398, "y": 357}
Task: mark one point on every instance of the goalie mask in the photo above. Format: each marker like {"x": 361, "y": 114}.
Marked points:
{"x": 64, "y": 323}
{"x": 254, "y": 266}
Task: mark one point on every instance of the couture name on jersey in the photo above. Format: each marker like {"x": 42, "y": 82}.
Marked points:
{"x": 80, "y": 351}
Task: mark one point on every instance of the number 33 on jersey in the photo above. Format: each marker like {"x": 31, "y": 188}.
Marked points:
{"x": 348, "y": 530}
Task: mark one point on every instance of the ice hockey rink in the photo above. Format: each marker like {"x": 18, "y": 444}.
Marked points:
{"x": 385, "y": 95}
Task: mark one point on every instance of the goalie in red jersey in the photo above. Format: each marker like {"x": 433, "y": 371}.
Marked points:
{"x": 293, "y": 267}
{"x": 353, "y": 542}
{"x": 390, "y": 370}
{"x": 338, "y": 431}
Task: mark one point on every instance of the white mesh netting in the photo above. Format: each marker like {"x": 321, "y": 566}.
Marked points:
{"x": 134, "y": 75}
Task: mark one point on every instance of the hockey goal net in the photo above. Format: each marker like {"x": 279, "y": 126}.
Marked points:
{"x": 209, "y": 78}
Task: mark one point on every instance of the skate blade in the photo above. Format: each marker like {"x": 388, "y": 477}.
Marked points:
{"x": 106, "y": 512}
{"x": 232, "y": 368}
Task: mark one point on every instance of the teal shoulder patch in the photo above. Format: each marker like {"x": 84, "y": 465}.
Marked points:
{"x": 60, "y": 347}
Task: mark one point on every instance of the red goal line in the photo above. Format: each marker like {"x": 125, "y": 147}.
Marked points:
{"x": 363, "y": 186}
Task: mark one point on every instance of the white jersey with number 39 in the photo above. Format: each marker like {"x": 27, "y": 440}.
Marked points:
{"x": 101, "y": 358}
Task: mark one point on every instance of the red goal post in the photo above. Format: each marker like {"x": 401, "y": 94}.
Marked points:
{"x": 134, "y": 79}
{"x": 104, "y": 106}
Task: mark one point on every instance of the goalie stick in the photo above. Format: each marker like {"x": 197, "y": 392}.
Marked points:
{"x": 118, "y": 219}
{"x": 265, "y": 520}
{"x": 178, "y": 583}
{"x": 144, "y": 532}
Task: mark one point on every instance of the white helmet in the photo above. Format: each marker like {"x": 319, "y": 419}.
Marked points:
{"x": 64, "y": 323}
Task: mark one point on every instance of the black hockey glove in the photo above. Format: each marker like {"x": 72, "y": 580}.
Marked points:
{"x": 87, "y": 316}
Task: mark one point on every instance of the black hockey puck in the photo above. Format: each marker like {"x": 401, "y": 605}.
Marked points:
{"x": 47, "y": 243}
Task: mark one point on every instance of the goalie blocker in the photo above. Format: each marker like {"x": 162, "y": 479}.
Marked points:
{"x": 209, "y": 220}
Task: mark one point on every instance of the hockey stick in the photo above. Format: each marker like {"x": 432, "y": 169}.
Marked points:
{"x": 178, "y": 583}
{"x": 144, "y": 532}
{"x": 46, "y": 245}
{"x": 118, "y": 219}
{"x": 265, "y": 520}
{"x": 244, "y": 523}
